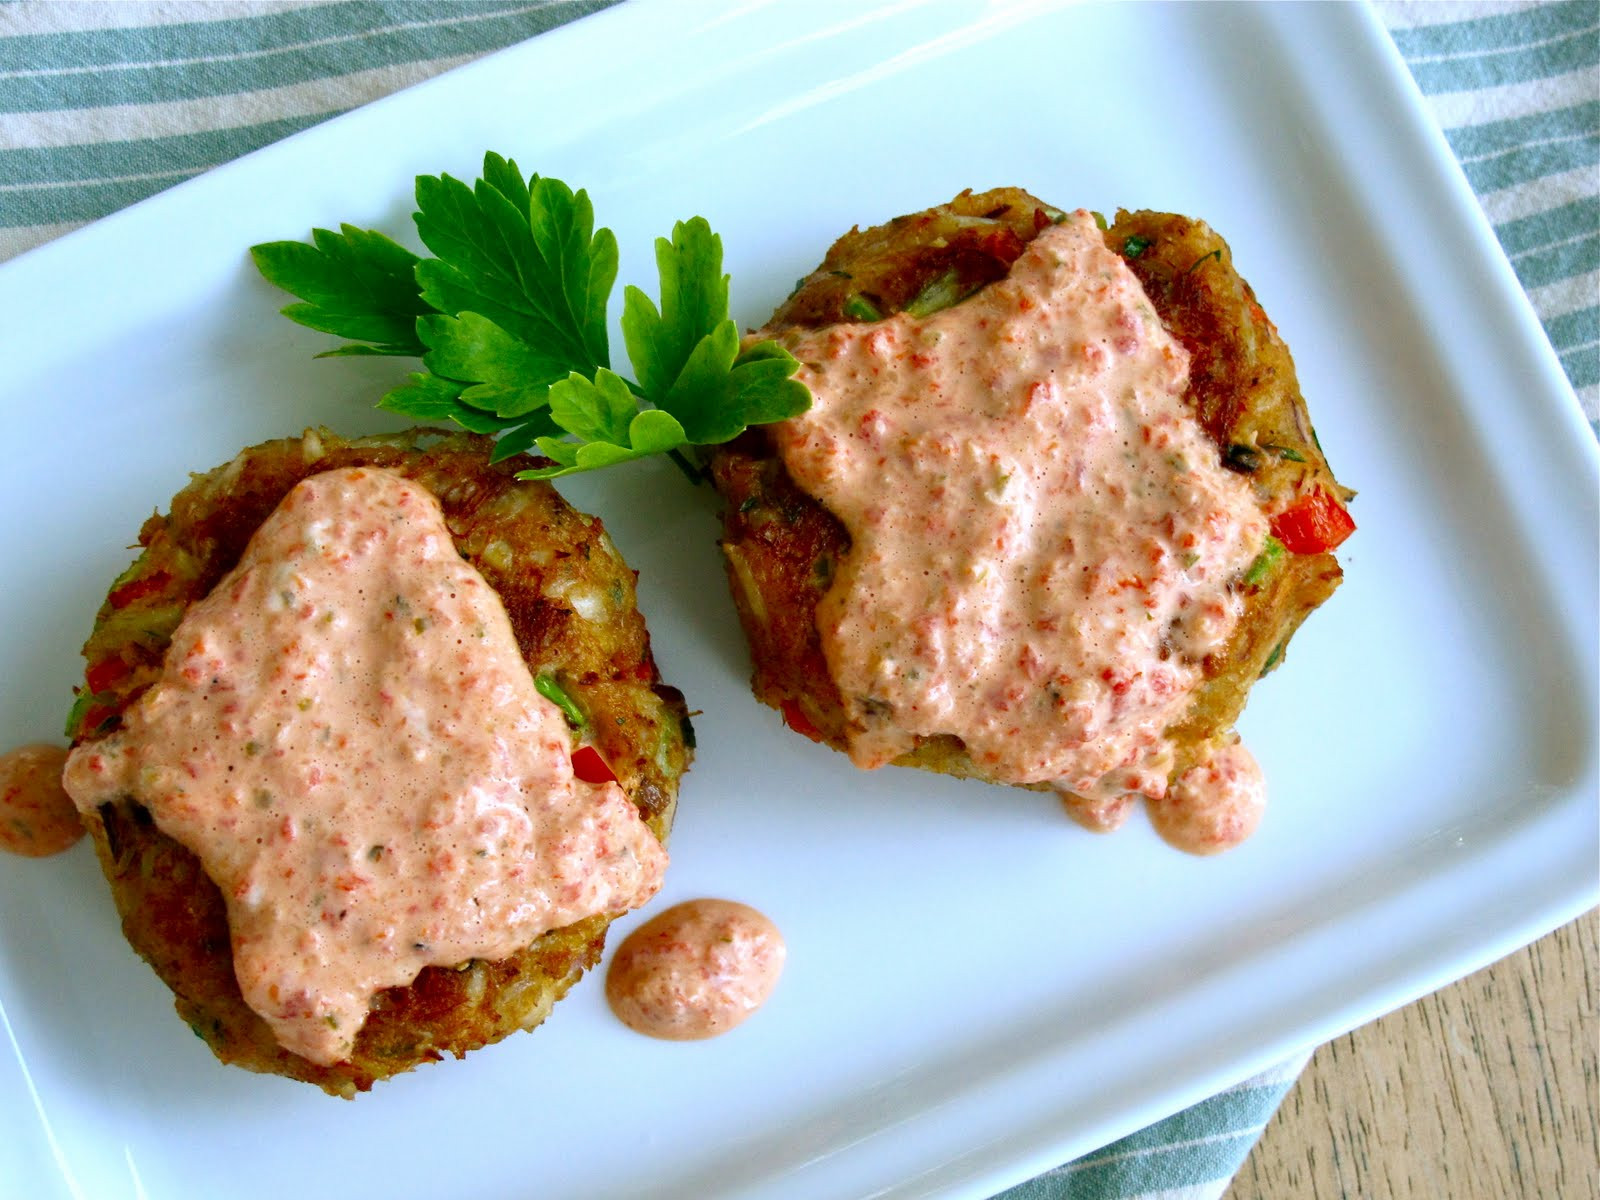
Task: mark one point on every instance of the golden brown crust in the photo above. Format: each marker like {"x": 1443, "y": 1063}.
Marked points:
{"x": 780, "y": 543}
{"x": 1245, "y": 394}
{"x": 975, "y": 238}
{"x": 551, "y": 565}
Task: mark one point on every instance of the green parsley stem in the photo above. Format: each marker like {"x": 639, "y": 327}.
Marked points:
{"x": 695, "y": 474}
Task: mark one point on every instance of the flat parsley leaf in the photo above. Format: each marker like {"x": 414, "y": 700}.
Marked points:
{"x": 650, "y": 431}
{"x": 605, "y": 417}
{"x": 510, "y": 377}
{"x": 353, "y": 284}
{"x": 689, "y": 364}
{"x": 525, "y": 256}
{"x": 694, "y": 301}
{"x": 509, "y": 318}
{"x": 720, "y": 390}
{"x": 434, "y": 398}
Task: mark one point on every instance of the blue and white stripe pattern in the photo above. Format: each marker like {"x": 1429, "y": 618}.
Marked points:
{"x": 104, "y": 104}
{"x": 1517, "y": 91}
{"x": 1189, "y": 1156}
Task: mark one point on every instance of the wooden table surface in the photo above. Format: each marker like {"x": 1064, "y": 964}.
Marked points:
{"x": 1487, "y": 1090}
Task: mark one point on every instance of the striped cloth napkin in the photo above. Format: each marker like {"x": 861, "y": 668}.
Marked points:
{"x": 104, "y": 104}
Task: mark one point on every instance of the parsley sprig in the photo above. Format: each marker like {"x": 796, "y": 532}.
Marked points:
{"x": 509, "y": 318}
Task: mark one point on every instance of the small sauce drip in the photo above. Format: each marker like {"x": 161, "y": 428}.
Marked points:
{"x": 695, "y": 971}
{"x": 37, "y": 817}
{"x": 347, "y": 736}
{"x": 1215, "y": 804}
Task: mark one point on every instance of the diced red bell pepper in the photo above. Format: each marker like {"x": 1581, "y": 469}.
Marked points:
{"x": 105, "y": 673}
{"x": 588, "y": 766}
{"x": 137, "y": 589}
{"x": 795, "y": 718}
{"x": 1313, "y": 523}
{"x": 94, "y": 717}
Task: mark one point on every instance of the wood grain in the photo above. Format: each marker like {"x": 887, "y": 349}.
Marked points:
{"x": 1487, "y": 1090}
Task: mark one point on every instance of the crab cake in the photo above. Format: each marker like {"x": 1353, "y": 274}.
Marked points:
{"x": 570, "y": 617}
{"x": 1081, "y": 608}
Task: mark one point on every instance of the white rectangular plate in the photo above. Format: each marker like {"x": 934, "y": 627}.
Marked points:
{"x": 977, "y": 989}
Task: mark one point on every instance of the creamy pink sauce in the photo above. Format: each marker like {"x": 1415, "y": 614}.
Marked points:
{"x": 37, "y": 817}
{"x": 695, "y": 971}
{"x": 346, "y": 735}
{"x": 1215, "y": 804}
{"x": 1044, "y": 541}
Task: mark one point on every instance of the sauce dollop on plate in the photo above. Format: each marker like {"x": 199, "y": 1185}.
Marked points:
{"x": 696, "y": 970}
{"x": 37, "y": 817}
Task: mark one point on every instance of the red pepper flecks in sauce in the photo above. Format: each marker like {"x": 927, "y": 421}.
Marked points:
{"x": 37, "y": 817}
{"x": 347, "y": 736}
{"x": 1044, "y": 541}
{"x": 695, "y": 971}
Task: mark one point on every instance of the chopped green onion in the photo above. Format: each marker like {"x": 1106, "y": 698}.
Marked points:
{"x": 1134, "y": 246}
{"x": 859, "y": 308}
{"x": 547, "y": 687}
{"x": 1288, "y": 453}
{"x": 1242, "y": 458}
{"x": 1271, "y": 552}
{"x": 942, "y": 293}
{"x": 1272, "y": 659}
{"x": 80, "y": 709}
